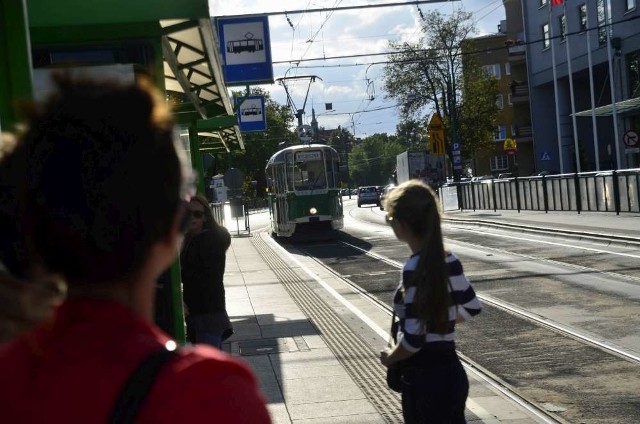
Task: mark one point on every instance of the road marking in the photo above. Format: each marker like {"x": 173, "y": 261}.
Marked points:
{"x": 590, "y": 249}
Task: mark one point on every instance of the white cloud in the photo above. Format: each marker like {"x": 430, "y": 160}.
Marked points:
{"x": 345, "y": 33}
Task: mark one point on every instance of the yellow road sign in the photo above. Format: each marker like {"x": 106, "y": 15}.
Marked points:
{"x": 437, "y": 142}
{"x": 435, "y": 123}
{"x": 436, "y": 135}
{"x": 509, "y": 145}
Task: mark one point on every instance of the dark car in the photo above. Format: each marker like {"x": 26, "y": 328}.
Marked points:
{"x": 368, "y": 195}
{"x": 385, "y": 191}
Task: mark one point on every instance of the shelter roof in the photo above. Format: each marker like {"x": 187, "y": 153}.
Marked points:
{"x": 624, "y": 107}
{"x": 191, "y": 60}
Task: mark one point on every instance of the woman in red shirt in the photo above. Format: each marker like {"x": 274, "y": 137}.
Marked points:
{"x": 104, "y": 205}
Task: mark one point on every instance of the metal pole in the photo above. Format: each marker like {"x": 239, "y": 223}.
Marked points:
{"x": 570, "y": 76}
{"x": 594, "y": 121}
{"x": 15, "y": 60}
{"x": 616, "y": 138}
{"x": 555, "y": 90}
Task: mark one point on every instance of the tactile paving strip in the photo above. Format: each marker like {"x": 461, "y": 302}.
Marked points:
{"x": 356, "y": 356}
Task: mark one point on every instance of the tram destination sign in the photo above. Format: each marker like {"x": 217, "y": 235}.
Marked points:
{"x": 307, "y": 156}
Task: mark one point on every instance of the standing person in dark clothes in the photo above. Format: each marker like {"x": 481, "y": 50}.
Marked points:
{"x": 95, "y": 216}
{"x": 433, "y": 295}
{"x": 202, "y": 261}
{"x": 25, "y": 301}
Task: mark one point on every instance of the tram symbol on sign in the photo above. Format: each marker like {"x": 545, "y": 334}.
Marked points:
{"x": 630, "y": 138}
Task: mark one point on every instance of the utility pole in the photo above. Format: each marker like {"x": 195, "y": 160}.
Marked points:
{"x": 297, "y": 112}
{"x": 314, "y": 125}
{"x": 305, "y": 132}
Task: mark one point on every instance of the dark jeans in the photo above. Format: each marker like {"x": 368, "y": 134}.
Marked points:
{"x": 435, "y": 392}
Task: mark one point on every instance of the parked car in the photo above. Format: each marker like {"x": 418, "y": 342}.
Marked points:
{"x": 385, "y": 191}
{"x": 368, "y": 195}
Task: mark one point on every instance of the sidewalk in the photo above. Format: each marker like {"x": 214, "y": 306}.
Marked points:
{"x": 297, "y": 343}
{"x": 301, "y": 378}
{"x": 625, "y": 225}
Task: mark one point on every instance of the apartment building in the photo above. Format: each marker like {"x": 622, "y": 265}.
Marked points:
{"x": 584, "y": 82}
{"x": 513, "y": 128}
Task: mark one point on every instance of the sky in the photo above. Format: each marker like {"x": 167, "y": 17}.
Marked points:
{"x": 353, "y": 86}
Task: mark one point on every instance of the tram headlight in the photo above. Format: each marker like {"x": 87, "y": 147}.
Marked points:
{"x": 313, "y": 211}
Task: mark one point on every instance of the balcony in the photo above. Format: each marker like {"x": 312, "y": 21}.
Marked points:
{"x": 519, "y": 92}
{"x": 517, "y": 50}
{"x": 524, "y": 133}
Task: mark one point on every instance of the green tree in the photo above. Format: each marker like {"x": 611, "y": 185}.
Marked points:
{"x": 412, "y": 134}
{"x": 429, "y": 74}
{"x": 478, "y": 108}
{"x": 343, "y": 141}
{"x": 260, "y": 146}
{"x": 373, "y": 160}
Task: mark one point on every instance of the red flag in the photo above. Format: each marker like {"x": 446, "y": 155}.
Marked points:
{"x": 556, "y": 2}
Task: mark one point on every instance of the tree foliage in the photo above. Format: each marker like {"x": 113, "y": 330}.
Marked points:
{"x": 373, "y": 160}
{"x": 343, "y": 141}
{"x": 260, "y": 146}
{"x": 412, "y": 134}
{"x": 429, "y": 74}
{"x": 478, "y": 109}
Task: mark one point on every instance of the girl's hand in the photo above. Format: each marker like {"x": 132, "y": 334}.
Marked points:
{"x": 384, "y": 357}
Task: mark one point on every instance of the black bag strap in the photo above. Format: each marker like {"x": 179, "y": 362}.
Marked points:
{"x": 394, "y": 329}
{"x": 136, "y": 389}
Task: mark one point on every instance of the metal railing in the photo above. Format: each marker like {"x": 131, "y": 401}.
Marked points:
{"x": 605, "y": 191}
{"x": 218, "y": 212}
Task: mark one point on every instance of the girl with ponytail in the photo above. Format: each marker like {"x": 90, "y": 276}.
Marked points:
{"x": 432, "y": 297}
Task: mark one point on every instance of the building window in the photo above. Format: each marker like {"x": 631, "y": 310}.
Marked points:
{"x": 499, "y": 163}
{"x": 582, "y": 16}
{"x": 499, "y": 101}
{"x": 493, "y": 70}
{"x": 545, "y": 36}
{"x": 509, "y": 102}
{"x": 500, "y": 134}
{"x": 507, "y": 68}
{"x": 562, "y": 21}
{"x": 513, "y": 131}
{"x": 631, "y": 4}
{"x": 602, "y": 23}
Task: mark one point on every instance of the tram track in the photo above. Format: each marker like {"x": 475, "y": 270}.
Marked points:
{"x": 526, "y": 353}
{"x": 470, "y": 365}
{"x": 506, "y": 306}
{"x": 607, "y": 239}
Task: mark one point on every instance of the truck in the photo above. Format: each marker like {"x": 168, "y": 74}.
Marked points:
{"x": 418, "y": 165}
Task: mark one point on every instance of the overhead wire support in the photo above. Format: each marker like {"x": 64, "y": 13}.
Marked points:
{"x": 297, "y": 112}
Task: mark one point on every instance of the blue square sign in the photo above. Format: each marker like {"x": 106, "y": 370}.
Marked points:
{"x": 252, "y": 114}
{"x": 246, "y": 50}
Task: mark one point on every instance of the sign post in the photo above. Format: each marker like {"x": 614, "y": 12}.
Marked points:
{"x": 631, "y": 141}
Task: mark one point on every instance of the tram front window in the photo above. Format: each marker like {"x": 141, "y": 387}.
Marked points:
{"x": 309, "y": 175}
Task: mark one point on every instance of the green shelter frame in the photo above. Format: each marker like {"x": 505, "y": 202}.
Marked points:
{"x": 173, "y": 40}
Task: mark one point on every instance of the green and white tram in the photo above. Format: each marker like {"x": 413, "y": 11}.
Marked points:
{"x": 304, "y": 190}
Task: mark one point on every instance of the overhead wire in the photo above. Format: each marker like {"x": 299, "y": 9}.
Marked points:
{"x": 391, "y": 53}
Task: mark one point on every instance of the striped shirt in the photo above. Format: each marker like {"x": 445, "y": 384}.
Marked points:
{"x": 411, "y": 331}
